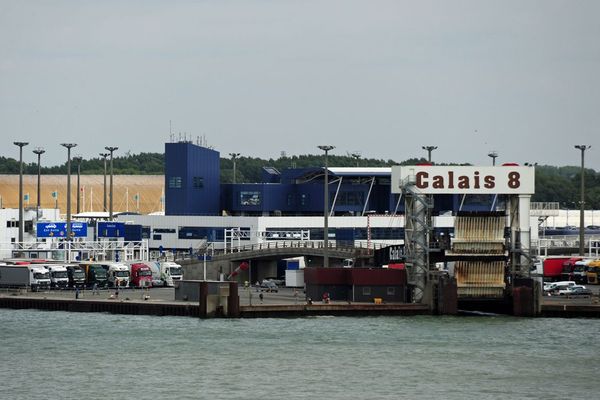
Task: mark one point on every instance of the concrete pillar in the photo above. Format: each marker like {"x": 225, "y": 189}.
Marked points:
{"x": 203, "y": 300}
{"x": 233, "y": 301}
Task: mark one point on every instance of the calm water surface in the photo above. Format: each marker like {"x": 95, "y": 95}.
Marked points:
{"x": 60, "y": 355}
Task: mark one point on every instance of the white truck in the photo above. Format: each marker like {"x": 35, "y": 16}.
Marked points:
{"x": 165, "y": 273}
{"x": 117, "y": 272}
{"x": 170, "y": 272}
{"x": 22, "y": 276}
{"x": 58, "y": 275}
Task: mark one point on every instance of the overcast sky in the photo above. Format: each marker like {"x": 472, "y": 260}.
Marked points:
{"x": 259, "y": 77}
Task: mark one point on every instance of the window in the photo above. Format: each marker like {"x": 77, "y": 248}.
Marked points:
{"x": 175, "y": 182}
{"x": 12, "y": 224}
{"x": 304, "y": 198}
{"x": 366, "y": 291}
{"x": 391, "y": 290}
{"x": 156, "y": 237}
{"x": 164, "y": 230}
{"x": 351, "y": 198}
{"x": 198, "y": 182}
{"x": 250, "y": 198}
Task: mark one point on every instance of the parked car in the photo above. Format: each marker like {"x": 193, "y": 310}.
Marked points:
{"x": 269, "y": 286}
{"x": 556, "y": 287}
{"x": 576, "y": 290}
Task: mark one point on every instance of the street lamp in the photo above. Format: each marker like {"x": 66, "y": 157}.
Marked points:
{"x": 111, "y": 150}
{"x": 21, "y": 145}
{"x": 493, "y": 155}
{"x": 356, "y": 155}
{"x": 583, "y": 148}
{"x": 39, "y": 151}
{"x": 68, "y": 146}
{"x": 78, "y": 160}
{"x": 104, "y": 155}
{"x": 429, "y": 150}
{"x": 233, "y": 158}
{"x": 326, "y": 149}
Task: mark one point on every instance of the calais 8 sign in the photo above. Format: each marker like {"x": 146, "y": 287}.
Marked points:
{"x": 469, "y": 180}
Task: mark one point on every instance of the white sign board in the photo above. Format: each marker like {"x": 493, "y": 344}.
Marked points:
{"x": 428, "y": 179}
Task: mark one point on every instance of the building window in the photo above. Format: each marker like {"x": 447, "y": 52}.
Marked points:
{"x": 304, "y": 198}
{"x": 12, "y": 224}
{"x": 366, "y": 291}
{"x": 250, "y": 198}
{"x": 175, "y": 182}
{"x": 391, "y": 291}
{"x": 351, "y": 198}
{"x": 164, "y": 230}
{"x": 198, "y": 182}
{"x": 156, "y": 237}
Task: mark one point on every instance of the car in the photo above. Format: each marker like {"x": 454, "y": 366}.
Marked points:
{"x": 278, "y": 282}
{"x": 555, "y": 287}
{"x": 269, "y": 286}
{"x": 576, "y": 290}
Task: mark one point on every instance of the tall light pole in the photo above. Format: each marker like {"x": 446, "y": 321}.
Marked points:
{"x": 21, "y": 145}
{"x": 356, "y": 156}
{"x": 326, "y": 149}
{"x": 493, "y": 155}
{"x": 39, "y": 151}
{"x": 111, "y": 150}
{"x": 68, "y": 146}
{"x": 104, "y": 155}
{"x": 429, "y": 150}
{"x": 78, "y": 160}
{"x": 234, "y": 156}
{"x": 583, "y": 148}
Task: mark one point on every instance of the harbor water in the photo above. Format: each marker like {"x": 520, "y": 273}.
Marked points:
{"x": 59, "y": 355}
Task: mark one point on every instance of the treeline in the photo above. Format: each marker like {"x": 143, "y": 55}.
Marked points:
{"x": 559, "y": 184}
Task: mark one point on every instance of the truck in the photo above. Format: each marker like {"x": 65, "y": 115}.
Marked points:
{"x": 76, "y": 276}
{"x": 141, "y": 275}
{"x": 59, "y": 278}
{"x": 116, "y": 272}
{"x": 170, "y": 272}
{"x": 23, "y": 276}
{"x": 94, "y": 274}
{"x": 568, "y": 270}
{"x": 553, "y": 267}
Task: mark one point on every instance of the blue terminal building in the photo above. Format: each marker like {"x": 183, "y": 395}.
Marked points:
{"x": 193, "y": 187}
{"x": 199, "y": 208}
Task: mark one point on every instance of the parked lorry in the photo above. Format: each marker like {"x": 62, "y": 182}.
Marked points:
{"x": 568, "y": 270}
{"x": 170, "y": 272}
{"x": 116, "y": 272}
{"x": 141, "y": 275}
{"x": 58, "y": 275}
{"x": 94, "y": 274}
{"x": 22, "y": 276}
{"x": 553, "y": 267}
{"x": 593, "y": 272}
{"x": 76, "y": 276}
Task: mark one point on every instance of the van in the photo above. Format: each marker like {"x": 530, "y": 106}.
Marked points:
{"x": 562, "y": 285}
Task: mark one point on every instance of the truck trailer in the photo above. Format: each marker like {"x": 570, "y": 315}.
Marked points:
{"x": 24, "y": 276}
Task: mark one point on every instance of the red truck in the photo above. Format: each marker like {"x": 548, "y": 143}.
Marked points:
{"x": 140, "y": 275}
{"x": 569, "y": 269}
{"x": 553, "y": 267}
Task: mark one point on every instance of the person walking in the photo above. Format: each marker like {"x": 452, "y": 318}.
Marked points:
{"x": 260, "y": 296}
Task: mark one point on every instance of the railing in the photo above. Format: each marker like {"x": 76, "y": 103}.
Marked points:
{"x": 591, "y": 244}
{"x": 63, "y": 251}
{"x": 305, "y": 244}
